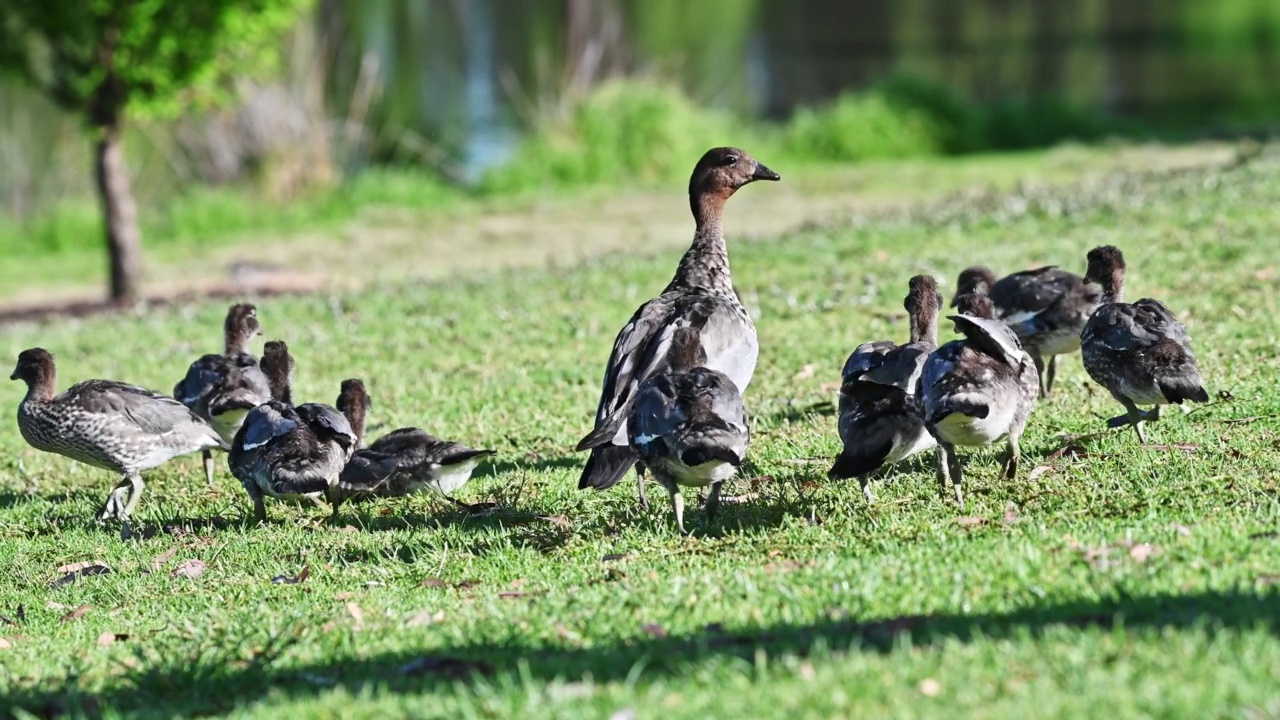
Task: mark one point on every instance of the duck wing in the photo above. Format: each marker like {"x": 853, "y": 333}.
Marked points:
{"x": 1125, "y": 327}
{"x": 414, "y": 446}
{"x": 655, "y": 416}
{"x": 992, "y": 337}
{"x": 137, "y": 409}
{"x": 201, "y": 379}
{"x": 242, "y": 387}
{"x": 367, "y": 471}
{"x": 328, "y": 424}
{"x": 262, "y": 425}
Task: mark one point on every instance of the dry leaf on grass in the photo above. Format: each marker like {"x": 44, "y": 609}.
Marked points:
{"x": 557, "y": 520}
{"x": 162, "y": 558}
{"x": 566, "y": 634}
{"x": 1067, "y": 451}
{"x": 930, "y": 687}
{"x": 1141, "y": 551}
{"x": 77, "y": 613}
{"x": 805, "y": 372}
{"x": 5, "y": 644}
{"x": 192, "y": 568}
{"x": 970, "y": 521}
{"x": 356, "y": 614}
{"x": 1039, "y": 470}
{"x": 109, "y": 637}
{"x": 611, "y": 557}
{"x": 74, "y": 571}
{"x": 1010, "y": 513}
{"x": 433, "y": 582}
{"x": 423, "y": 618}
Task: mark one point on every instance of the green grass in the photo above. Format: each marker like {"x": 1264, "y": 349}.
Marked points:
{"x": 1126, "y": 582}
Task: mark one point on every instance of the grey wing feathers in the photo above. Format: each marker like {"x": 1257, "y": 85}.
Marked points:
{"x": 264, "y": 424}
{"x": 367, "y": 470}
{"x": 147, "y": 410}
{"x": 990, "y": 336}
{"x": 416, "y": 446}
{"x": 1125, "y": 327}
{"x": 327, "y": 422}
{"x": 201, "y": 379}
{"x": 640, "y": 350}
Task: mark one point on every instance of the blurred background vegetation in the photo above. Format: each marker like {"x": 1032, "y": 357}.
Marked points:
{"x": 428, "y": 102}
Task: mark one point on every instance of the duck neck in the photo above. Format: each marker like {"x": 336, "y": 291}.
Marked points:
{"x": 40, "y": 388}
{"x": 924, "y": 326}
{"x": 355, "y": 416}
{"x": 1113, "y": 287}
{"x": 234, "y": 342}
{"x": 705, "y": 265}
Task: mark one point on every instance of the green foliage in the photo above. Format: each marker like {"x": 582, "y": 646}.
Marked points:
{"x": 624, "y": 132}
{"x": 863, "y": 126}
{"x": 1123, "y": 581}
{"x": 94, "y": 57}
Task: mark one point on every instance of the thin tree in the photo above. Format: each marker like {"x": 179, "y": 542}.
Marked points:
{"x": 103, "y": 59}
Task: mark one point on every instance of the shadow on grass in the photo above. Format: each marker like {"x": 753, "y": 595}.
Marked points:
{"x": 213, "y": 682}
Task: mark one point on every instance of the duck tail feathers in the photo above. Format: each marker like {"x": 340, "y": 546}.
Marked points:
{"x": 696, "y": 456}
{"x": 1183, "y": 387}
{"x": 606, "y": 466}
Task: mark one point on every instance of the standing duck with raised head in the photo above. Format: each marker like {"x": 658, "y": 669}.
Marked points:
{"x": 688, "y": 425}
{"x": 222, "y": 389}
{"x": 1046, "y": 308}
{"x": 700, "y": 296}
{"x": 111, "y": 425}
{"x": 879, "y": 422}
{"x": 1138, "y": 351}
{"x": 975, "y": 391}
{"x": 287, "y": 452}
{"x": 402, "y": 462}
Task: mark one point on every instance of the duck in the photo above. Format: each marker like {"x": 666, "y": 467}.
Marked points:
{"x": 977, "y": 390}
{"x": 403, "y": 462}
{"x": 1138, "y": 351}
{"x": 107, "y": 424}
{"x": 222, "y": 389}
{"x": 688, "y": 425}
{"x": 1046, "y": 308}
{"x": 289, "y": 452}
{"x": 879, "y": 424}
{"x": 700, "y": 295}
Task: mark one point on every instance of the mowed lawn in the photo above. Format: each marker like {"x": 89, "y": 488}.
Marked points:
{"x": 1107, "y": 580}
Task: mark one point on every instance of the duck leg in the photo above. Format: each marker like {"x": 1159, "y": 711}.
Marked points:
{"x": 865, "y": 479}
{"x": 1015, "y": 454}
{"x": 123, "y": 499}
{"x": 1050, "y": 370}
{"x": 644, "y": 501}
{"x": 1135, "y": 417}
{"x": 259, "y": 508}
{"x": 949, "y": 472}
{"x": 207, "y": 457}
{"x": 713, "y": 501}
{"x": 1040, "y": 374}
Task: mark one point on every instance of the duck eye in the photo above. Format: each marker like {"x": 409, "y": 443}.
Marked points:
{"x": 729, "y": 160}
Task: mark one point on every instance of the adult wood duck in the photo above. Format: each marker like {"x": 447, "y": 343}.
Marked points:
{"x": 700, "y": 296}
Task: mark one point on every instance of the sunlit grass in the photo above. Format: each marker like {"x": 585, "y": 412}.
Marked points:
{"x": 1123, "y": 582}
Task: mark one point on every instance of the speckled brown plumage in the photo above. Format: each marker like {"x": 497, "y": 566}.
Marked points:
{"x": 106, "y": 424}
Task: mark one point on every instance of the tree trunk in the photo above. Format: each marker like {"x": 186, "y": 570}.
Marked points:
{"x": 119, "y": 214}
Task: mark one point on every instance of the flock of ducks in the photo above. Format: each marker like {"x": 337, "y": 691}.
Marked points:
{"x": 671, "y": 403}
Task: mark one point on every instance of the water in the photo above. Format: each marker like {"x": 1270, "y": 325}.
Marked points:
{"x": 1188, "y": 61}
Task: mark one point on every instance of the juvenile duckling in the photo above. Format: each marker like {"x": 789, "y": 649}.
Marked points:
{"x": 106, "y": 424}
{"x": 977, "y": 390}
{"x": 1139, "y": 352}
{"x": 879, "y": 422}
{"x": 1046, "y": 308}
{"x": 688, "y": 426}
{"x": 287, "y": 452}
{"x": 402, "y": 462}
{"x": 700, "y": 295}
{"x": 222, "y": 389}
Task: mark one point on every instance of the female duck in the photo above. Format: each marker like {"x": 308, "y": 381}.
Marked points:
{"x": 222, "y": 389}
{"x": 1139, "y": 352}
{"x": 700, "y": 296}
{"x": 107, "y": 424}
{"x": 1046, "y": 308}
{"x": 976, "y": 390}
{"x": 402, "y": 462}
{"x": 287, "y": 452}
{"x": 688, "y": 426}
{"x": 879, "y": 423}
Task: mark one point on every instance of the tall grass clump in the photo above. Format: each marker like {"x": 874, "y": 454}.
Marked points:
{"x": 863, "y": 126}
{"x": 622, "y": 132}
